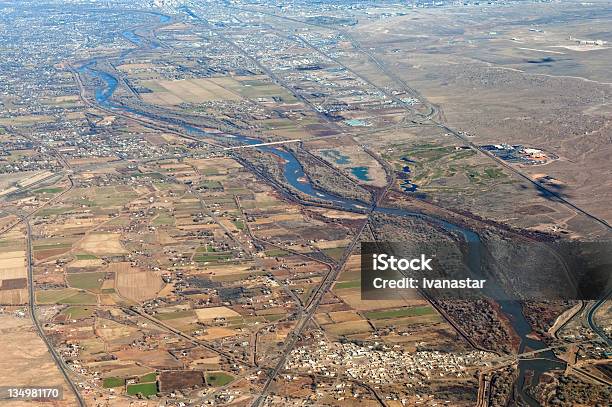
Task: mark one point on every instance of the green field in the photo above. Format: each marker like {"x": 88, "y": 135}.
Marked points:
{"x": 212, "y": 257}
{"x": 54, "y": 296}
{"x": 274, "y": 317}
{"x": 145, "y": 389}
{"x": 102, "y": 197}
{"x": 148, "y": 378}
{"x": 277, "y": 253}
{"x": 154, "y": 175}
{"x": 119, "y": 221}
{"x": 163, "y": 219}
{"x": 218, "y": 379}
{"x": 431, "y": 162}
{"x": 81, "y": 298}
{"x": 397, "y": 313}
{"x": 65, "y": 296}
{"x": 494, "y": 173}
{"x": 10, "y": 245}
{"x": 334, "y": 253}
{"x": 48, "y": 190}
{"x": 110, "y": 382}
{"x": 347, "y": 284}
{"x": 206, "y": 249}
{"x": 51, "y": 246}
{"x": 164, "y": 316}
{"x": 86, "y": 281}
{"x": 78, "y": 312}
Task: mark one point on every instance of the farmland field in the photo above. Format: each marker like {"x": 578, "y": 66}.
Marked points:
{"x": 145, "y": 389}
{"x": 101, "y": 244}
{"x": 110, "y": 382}
{"x": 135, "y": 284}
{"x": 86, "y": 281}
{"x": 218, "y": 379}
{"x": 398, "y": 313}
{"x": 78, "y": 312}
{"x": 207, "y": 314}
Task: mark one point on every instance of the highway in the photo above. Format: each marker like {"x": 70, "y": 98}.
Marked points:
{"x": 311, "y": 308}
{"x": 590, "y": 319}
{"x": 64, "y": 370}
{"x": 565, "y": 318}
{"x": 25, "y": 219}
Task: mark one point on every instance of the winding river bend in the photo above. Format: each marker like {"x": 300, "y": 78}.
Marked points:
{"x": 295, "y": 176}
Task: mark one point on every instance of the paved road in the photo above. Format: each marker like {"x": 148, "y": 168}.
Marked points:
{"x": 596, "y": 328}
{"x": 565, "y": 318}
{"x": 311, "y": 308}
{"x": 32, "y": 307}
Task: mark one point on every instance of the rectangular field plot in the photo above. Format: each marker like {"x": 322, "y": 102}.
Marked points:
{"x": 13, "y": 273}
{"x": 86, "y": 281}
{"x": 186, "y": 91}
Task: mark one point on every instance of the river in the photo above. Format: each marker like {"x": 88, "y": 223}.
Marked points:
{"x": 295, "y": 176}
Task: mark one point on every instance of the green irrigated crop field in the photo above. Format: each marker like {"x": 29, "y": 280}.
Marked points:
{"x": 277, "y": 253}
{"x": 347, "y": 284}
{"x": 110, "y": 382}
{"x": 65, "y": 296}
{"x": 145, "y": 389}
{"x": 54, "y": 296}
{"x": 218, "y": 379}
{"x": 86, "y": 281}
{"x": 81, "y": 298}
{"x": 212, "y": 257}
{"x": 148, "y": 378}
{"x": 48, "y": 190}
{"x": 164, "y": 219}
{"x": 51, "y": 246}
{"x": 164, "y": 316}
{"x": 335, "y": 253}
{"x": 78, "y": 312}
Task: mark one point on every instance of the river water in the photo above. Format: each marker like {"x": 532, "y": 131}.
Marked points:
{"x": 295, "y": 176}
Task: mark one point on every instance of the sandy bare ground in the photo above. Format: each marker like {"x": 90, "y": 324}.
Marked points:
{"x": 26, "y": 360}
{"x": 102, "y": 244}
{"x": 229, "y": 269}
{"x": 207, "y": 314}
{"x": 213, "y": 333}
{"x": 333, "y": 214}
